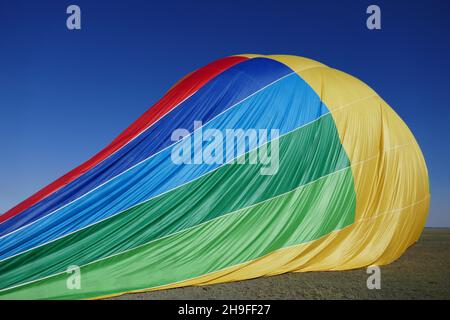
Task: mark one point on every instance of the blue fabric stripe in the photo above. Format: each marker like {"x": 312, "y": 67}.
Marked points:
{"x": 285, "y": 105}
{"x": 219, "y": 94}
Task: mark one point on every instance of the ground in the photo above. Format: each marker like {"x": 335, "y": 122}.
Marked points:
{"x": 422, "y": 272}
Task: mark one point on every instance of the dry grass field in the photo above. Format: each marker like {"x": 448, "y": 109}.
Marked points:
{"x": 423, "y": 272}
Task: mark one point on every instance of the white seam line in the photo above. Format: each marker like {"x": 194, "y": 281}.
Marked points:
{"x": 161, "y": 194}
{"x": 188, "y": 182}
{"x": 217, "y": 218}
{"x": 137, "y": 164}
{"x": 257, "y": 258}
{"x": 138, "y": 134}
{"x": 146, "y": 128}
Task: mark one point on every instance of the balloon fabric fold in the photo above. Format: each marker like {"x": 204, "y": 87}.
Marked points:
{"x": 349, "y": 189}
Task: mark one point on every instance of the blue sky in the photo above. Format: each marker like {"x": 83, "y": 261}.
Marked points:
{"x": 65, "y": 94}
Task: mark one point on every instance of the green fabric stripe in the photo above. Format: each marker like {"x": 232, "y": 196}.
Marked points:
{"x": 305, "y": 155}
{"x": 301, "y": 215}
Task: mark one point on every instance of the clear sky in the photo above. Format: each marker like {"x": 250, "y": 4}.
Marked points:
{"x": 65, "y": 94}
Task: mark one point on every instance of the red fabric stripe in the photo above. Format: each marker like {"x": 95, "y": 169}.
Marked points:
{"x": 182, "y": 90}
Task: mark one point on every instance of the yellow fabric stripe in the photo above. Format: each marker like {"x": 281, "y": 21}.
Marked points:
{"x": 391, "y": 187}
{"x": 366, "y": 124}
{"x": 391, "y": 180}
{"x": 313, "y": 256}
